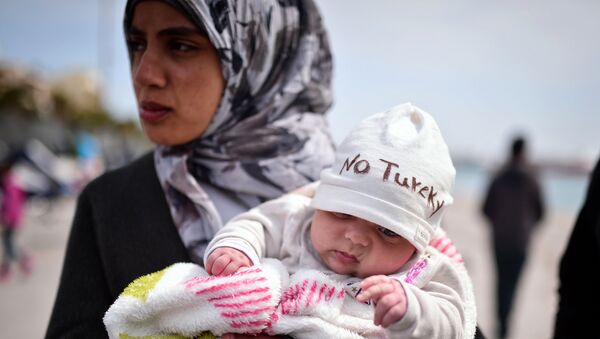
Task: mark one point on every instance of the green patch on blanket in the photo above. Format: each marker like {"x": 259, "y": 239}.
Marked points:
{"x": 203, "y": 335}
{"x": 140, "y": 287}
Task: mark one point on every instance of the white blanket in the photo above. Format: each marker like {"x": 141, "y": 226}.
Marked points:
{"x": 184, "y": 300}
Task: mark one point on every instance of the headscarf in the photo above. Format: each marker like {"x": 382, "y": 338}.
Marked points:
{"x": 269, "y": 134}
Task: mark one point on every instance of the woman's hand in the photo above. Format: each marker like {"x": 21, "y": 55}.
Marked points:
{"x": 226, "y": 261}
{"x": 389, "y": 297}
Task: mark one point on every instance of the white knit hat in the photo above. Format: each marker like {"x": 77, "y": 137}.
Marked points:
{"x": 393, "y": 169}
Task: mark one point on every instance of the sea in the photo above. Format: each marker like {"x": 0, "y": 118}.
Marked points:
{"x": 561, "y": 192}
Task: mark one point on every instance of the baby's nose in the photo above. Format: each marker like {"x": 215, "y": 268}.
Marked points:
{"x": 357, "y": 235}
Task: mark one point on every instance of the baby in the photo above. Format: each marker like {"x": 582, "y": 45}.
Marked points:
{"x": 372, "y": 217}
{"x": 357, "y": 255}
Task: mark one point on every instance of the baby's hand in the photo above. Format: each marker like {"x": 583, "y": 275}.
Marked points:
{"x": 226, "y": 261}
{"x": 389, "y": 297}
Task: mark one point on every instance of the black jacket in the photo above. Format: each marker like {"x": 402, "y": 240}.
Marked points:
{"x": 122, "y": 230}
{"x": 579, "y": 290}
{"x": 514, "y": 206}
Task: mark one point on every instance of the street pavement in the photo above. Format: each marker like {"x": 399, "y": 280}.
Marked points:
{"x": 535, "y": 302}
{"x": 26, "y": 301}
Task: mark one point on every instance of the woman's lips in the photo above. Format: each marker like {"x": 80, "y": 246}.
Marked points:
{"x": 345, "y": 257}
{"x": 151, "y": 111}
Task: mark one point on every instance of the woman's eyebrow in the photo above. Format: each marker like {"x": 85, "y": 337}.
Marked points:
{"x": 131, "y": 30}
{"x": 181, "y": 31}
{"x": 178, "y": 30}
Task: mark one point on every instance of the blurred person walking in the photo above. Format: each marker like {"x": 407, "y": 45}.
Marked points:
{"x": 578, "y": 291}
{"x": 12, "y": 211}
{"x": 514, "y": 206}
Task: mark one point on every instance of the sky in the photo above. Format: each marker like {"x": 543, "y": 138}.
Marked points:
{"x": 484, "y": 70}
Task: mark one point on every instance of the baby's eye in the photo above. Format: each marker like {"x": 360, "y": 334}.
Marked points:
{"x": 387, "y": 232}
{"x": 341, "y": 215}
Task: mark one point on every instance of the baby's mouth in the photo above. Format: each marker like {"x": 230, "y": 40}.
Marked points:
{"x": 345, "y": 257}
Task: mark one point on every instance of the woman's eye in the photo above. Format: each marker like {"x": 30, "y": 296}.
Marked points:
{"x": 181, "y": 46}
{"x": 135, "y": 45}
{"x": 387, "y": 232}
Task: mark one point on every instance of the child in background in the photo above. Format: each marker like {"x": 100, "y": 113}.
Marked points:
{"x": 358, "y": 253}
{"x": 12, "y": 206}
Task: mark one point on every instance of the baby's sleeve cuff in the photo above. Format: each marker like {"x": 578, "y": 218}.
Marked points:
{"x": 238, "y": 244}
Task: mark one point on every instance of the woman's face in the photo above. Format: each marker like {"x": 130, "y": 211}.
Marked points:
{"x": 176, "y": 74}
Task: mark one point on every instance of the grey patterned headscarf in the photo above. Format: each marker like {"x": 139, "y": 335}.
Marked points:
{"x": 269, "y": 134}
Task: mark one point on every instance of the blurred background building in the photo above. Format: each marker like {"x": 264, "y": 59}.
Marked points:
{"x": 62, "y": 131}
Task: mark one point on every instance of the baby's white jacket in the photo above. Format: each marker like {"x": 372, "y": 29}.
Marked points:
{"x": 440, "y": 298}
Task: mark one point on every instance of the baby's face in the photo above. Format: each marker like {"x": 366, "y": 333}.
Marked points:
{"x": 357, "y": 247}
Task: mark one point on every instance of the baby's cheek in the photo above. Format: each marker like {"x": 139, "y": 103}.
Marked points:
{"x": 318, "y": 238}
{"x": 388, "y": 263}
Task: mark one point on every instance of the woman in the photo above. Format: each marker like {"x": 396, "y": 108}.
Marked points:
{"x": 233, "y": 95}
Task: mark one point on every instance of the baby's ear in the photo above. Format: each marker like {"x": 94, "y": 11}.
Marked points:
{"x": 308, "y": 189}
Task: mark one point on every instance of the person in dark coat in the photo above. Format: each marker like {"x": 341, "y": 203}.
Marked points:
{"x": 234, "y": 95}
{"x": 580, "y": 271}
{"x": 514, "y": 206}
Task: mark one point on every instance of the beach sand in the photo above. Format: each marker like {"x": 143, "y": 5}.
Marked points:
{"x": 27, "y": 301}
{"x": 536, "y": 300}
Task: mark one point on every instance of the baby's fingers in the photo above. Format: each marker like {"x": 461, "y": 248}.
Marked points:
{"x": 208, "y": 265}
{"x": 374, "y": 287}
{"x": 232, "y": 267}
{"x": 219, "y": 264}
{"x": 373, "y": 280}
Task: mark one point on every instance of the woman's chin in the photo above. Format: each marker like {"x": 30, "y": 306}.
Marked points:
{"x": 165, "y": 138}
{"x": 172, "y": 132}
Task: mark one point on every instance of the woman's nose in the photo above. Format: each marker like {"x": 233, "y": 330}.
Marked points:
{"x": 148, "y": 71}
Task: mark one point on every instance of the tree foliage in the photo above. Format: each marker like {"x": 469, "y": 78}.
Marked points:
{"x": 73, "y": 98}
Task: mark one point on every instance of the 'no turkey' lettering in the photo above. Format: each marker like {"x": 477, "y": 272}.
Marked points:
{"x": 362, "y": 166}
